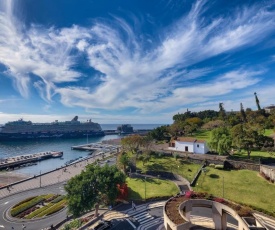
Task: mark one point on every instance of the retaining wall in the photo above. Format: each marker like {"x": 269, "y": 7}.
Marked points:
{"x": 268, "y": 172}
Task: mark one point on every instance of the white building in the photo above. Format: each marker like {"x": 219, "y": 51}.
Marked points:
{"x": 188, "y": 144}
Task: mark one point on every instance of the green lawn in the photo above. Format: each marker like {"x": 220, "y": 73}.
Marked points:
{"x": 154, "y": 188}
{"x": 202, "y": 134}
{"x": 170, "y": 164}
{"x": 254, "y": 156}
{"x": 242, "y": 186}
{"x": 268, "y": 132}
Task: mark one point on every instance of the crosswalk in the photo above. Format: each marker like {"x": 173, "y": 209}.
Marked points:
{"x": 144, "y": 218}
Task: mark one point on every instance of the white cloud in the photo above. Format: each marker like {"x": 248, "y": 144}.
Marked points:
{"x": 154, "y": 80}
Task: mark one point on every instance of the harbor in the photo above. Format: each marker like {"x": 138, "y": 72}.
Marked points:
{"x": 28, "y": 159}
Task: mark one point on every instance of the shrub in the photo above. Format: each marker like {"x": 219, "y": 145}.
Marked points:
{"x": 56, "y": 207}
{"x": 218, "y": 166}
{"x": 24, "y": 206}
{"x": 23, "y": 201}
{"x": 36, "y": 212}
{"x": 57, "y": 199}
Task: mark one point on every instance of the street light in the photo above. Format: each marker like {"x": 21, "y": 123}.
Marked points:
{"x": 145, "y": 188}
{"x": 222, "y": 186}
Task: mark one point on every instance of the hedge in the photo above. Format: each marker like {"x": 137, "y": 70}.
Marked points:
{"x": 57, "y": 199}
{"x": 36, "y": 212}
{"x": 56, "y": 207}
{"x": 23, "y": 201}
{"x": 16, "y": 210}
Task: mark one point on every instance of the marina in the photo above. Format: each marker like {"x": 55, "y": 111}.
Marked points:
{"x": 99, "y": 147}
{"x": 29, "y": 159}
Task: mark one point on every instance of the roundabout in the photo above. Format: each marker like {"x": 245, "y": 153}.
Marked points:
{"x": 10, "y": 202}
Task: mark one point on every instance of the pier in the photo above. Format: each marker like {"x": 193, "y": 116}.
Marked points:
{"x": 100, "y": 147}
{"x": 137, "y": 131}
{"x": 16, "y": 161}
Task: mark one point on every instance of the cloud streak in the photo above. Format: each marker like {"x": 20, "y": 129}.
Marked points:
{"x": 144, "y": 79}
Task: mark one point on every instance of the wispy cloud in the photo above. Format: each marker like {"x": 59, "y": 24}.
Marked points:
{"x": 132, "y": 76}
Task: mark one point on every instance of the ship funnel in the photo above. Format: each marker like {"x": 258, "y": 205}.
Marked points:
{"x": 75, "y": 118}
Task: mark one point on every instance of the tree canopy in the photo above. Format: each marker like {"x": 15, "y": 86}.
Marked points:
{"x": 220, "y": 140}
{"x": 94, "y": 185}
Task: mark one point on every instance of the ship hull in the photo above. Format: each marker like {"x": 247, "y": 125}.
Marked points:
{"x": 49, "y": 135}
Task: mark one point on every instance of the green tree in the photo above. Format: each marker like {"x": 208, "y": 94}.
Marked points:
{"x": 132, "y": 143}
{"x": 243, "y": 115}
{"x": 94, "y": 185}
{"x": 159, "y": 133}
{"x": 220, "y": 140}
{"x": 124, "y": 160}
{"x": 222, "y": 113}
{"x": 257, "y": 102}
{"x": 245, "y": 137}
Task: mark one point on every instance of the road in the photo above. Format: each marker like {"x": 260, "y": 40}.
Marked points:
{"x": 50, "y": 183}
{"x": 8, "y": 202}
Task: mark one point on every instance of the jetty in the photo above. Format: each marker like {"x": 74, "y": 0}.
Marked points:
{"x": 17, "y": 161}
{"x": 99, "y": 147}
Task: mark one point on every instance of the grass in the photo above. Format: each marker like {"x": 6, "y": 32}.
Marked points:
{"x": 254, "y": 155}
{"x": 170, "y": 164}
{"x": 268, "y": 132}
{"x": 154, "y": 188}
{"x": 242, "y": 186}
{"x": 202, "y": 134}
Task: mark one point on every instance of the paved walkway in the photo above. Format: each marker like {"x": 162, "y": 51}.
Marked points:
{"x": 59, "y": 175}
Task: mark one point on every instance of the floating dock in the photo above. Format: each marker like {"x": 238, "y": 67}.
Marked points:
{"x": 16, "y": 161}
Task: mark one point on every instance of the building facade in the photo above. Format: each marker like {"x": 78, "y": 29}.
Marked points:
{"x": 188, "y": 144}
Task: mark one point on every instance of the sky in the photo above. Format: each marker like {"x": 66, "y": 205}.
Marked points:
{"x": 137, "y": 62}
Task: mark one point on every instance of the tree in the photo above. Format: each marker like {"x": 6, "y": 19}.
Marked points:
{"x": 132, "y": 143}
{"x": 94, "y": 185}
{"x": 243, "y": 115}
{"x": 146, "y": 142}
{"x": 257, "y": 102}
{"x": 244, "y": 137}
{"x": 222, "y": 113}
{"x": 159, "y": 133}
{"x": 220, "y": 140}
{"x": 124, "y": 160}
{"x": 213, "y": 124}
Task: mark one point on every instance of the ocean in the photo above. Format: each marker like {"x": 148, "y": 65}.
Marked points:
{"x": 15, "y": 148}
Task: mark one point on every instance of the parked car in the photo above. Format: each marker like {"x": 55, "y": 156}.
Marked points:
{"x": 103, "y": 224}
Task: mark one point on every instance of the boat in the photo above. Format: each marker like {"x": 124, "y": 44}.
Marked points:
{"x": 22, "y": 130}
{"x": 57, "y": 154}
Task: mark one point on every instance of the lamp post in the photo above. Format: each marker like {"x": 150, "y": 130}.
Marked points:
{"x": 40, "y": 179}
{"x": 222, "y": 186}
{"x": 145, "y": 188}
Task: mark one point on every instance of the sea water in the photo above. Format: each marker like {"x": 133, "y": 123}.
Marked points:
{"x": 15, "y": 148}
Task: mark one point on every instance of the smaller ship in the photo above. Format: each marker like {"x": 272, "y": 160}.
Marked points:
{"x": 57, "y": 154}
{"x": 125, "y": 129}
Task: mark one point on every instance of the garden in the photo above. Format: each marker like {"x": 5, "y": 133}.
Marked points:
{"x": 38, "y": 206}
{"x": 150, "y": 188}
{"x": 242, "y": 186}
{"x": 172, "y": 164}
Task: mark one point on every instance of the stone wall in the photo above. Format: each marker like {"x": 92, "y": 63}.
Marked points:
{"x": 230, "y": 164}
{"x": 268, "y": 172}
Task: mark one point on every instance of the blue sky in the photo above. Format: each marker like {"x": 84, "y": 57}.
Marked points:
{"x": 133, "y": 61}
